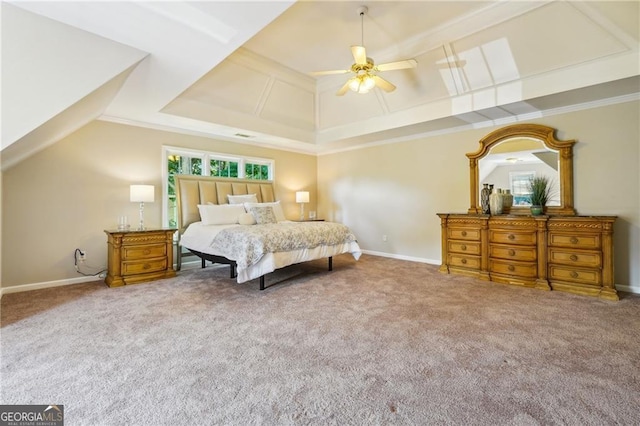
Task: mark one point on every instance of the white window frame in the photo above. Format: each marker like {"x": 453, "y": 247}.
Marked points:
{"x": 206, "y": 157}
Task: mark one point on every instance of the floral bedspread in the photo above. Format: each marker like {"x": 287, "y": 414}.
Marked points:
{"x": 247, "y": 244}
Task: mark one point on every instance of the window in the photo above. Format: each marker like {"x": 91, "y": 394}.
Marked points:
{"x": 520, "y": 187}
{"x": 193, "y": 162}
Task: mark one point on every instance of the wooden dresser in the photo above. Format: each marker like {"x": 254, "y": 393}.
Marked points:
{"x": 139, "y": 256}
{"x": 572, "y": 253}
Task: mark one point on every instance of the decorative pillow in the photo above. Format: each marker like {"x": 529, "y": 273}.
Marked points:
{"x": 263, "y": 214}
{"x": 277, "y": 209}
{"x": 239, "y": 199}
{"x": 246, "y": 219}
{"x": 223, "y": 214}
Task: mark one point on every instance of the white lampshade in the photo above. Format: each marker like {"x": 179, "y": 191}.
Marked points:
{"x": 302, "y": 197}
{"x": 142, "y": 193}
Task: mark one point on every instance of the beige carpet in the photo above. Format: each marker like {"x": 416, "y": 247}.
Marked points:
{"x": 375, "y": 342}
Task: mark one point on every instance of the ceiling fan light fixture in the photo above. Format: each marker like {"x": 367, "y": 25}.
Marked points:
{"x": 362, "y": 83}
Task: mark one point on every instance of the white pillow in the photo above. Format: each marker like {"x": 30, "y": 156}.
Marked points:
{"x": 246, "y": 219}
{"x": 277, "y": 209}
{"x": 239, "y": 199}
{"x": 223, "y": 214}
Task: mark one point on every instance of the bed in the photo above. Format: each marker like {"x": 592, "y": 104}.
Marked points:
{"x": 240, "y": 223}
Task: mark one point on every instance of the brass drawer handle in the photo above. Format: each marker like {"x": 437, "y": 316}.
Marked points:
{"x": 147, "y": 251}
{"x": 511, "y": 237}
{"x": 463, "y": 247}
{"x": 574, "y": 274}
{"x": 511, "y": 268}
{"x": 574, "y": 240}
{"x": 146, "y": 266}
{"x": 464, "y": 233}
{"x": 512, "y": 252}
{"x": 573, "y": 257}
{"x": 464, "y": 261}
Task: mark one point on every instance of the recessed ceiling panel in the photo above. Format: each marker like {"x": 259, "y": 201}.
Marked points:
{"x": 289, "y": 105}
{"x": 230, "y": 85}
{"x": 623, "y": 14}
{"x": 551, "y": 37}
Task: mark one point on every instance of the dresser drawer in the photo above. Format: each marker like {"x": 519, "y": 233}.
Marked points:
{"x": 586, "y": 259}
{"x": 147, "y": 251}
{"x": 462, "y": 261}
{"x": 521, "y": 253}
{"x": 144, "y": 266}
{"x": 575, "y": 240}
{"x": 520, "y": 269}
{"x": 464, "y": 234}
{"x": 464, "y": 247}
{"x": 578, "y": 275}
{"x": 512, "y": 237}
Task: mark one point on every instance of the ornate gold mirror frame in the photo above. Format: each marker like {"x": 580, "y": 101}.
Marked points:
{"x": 534, "y": 131}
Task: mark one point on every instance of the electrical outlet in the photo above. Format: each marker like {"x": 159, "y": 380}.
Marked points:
{"x": 384, "y": 238}
{"x": 83, "y": 256}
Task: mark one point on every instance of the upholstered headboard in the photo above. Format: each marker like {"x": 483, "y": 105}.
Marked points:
{"x": 193, "y": 190}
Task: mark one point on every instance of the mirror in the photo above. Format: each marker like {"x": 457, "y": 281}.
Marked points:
{"x": 510, "y": 156}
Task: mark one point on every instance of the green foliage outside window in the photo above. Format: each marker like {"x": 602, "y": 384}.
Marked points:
{"x": 256, "y": 171}
{"x": 221, "y": 168}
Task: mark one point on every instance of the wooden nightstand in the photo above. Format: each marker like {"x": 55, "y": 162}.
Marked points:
{"x": 139, "y": 256}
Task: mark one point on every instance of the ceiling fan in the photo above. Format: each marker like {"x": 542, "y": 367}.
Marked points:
{"x": 365, "y": 70}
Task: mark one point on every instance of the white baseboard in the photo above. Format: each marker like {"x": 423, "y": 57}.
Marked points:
{"x": 402, "y": 257}
{"x": 628, "y": 289}
{"x": 48, "y": 284}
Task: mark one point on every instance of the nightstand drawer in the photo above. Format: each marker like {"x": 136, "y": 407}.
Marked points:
{"x": 567, "y": 273}
{"x": 464, "y": 234}
{"x": 584, "y": 241}
{"x": 513, "y": 252}
{"x": 144, "y": 266}
{"x": 148, "y": 251}
{"x": 464, "y": 247}
{"x": 587, "y": 259}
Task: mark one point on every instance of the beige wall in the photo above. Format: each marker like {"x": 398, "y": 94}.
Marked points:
{"x": 65, "y": 196}
{"x": 397, "y": 189}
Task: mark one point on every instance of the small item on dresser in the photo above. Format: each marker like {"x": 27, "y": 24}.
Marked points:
{"x": 495, "y": 201}
{"x": 507, "y": 201}
{"x": 123, "y": 223}
{"x": 484, "y": 199}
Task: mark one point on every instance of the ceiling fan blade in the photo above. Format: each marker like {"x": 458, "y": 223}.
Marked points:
{"x": 329, "y": 72}
{"x": 383, "y": 84}
{"x": 400, "y": 65}
{"x": 359, "y": 55}
{"x": 344, "y": 88}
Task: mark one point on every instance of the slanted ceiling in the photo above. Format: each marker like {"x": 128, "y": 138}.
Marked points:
{"x": 225, "y": 69}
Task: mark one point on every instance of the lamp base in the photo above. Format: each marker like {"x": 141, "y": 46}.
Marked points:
{"x": 141, "y": 226}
